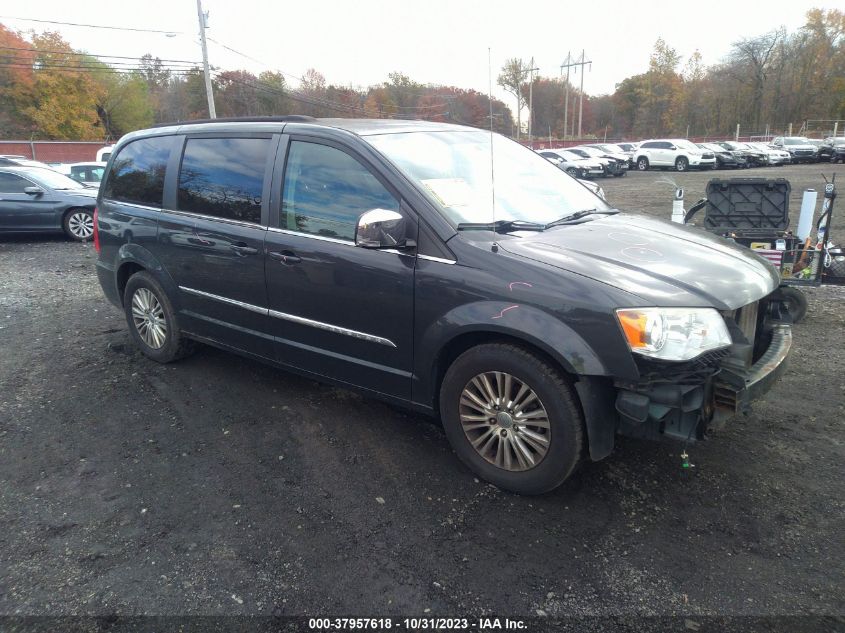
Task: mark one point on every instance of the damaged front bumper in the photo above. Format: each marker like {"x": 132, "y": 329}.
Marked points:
{"x": 685, "y": 400}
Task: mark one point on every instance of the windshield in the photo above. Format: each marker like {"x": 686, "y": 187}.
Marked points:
{"x": 53, "y": 179}
{"x": 795, "y": 141}
{"x": 686, "y": 145}
{"x": 567, "y": 155}
{"x": 455, "y": 168}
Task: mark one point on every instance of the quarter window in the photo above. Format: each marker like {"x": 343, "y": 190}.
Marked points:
{"x": 326, "y": 190}
{"x": 224, "y": 177}
{"x": 10, "y": 183}
{"x": 137, "y": 174}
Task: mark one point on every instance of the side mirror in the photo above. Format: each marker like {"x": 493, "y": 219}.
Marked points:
{"x": 33, "y": 191}
{"x": 381, "y": 228}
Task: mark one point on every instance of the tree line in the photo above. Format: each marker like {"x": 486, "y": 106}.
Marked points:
{"x": 765, "y": 82}
{"x": 48, "y": 90}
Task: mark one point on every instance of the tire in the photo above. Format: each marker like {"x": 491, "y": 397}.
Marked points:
{"x": 500, "y": 460}
{"x": 152, "y": 321}
{"x": 78, "y": 224}
{"x": 681, "y": 164}
{"x": 620, "y": 174}
{"x": 642, "y": 163}
{"x": 572, "y": 171}
{"x": 796, "y": 302}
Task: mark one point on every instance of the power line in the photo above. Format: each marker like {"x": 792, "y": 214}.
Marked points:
{"x": 92, "y": 64}
{"x": 91, "y": 26}
{"x": 36, "y": 50}
{"x": 91, "y": 69}
{"x": 301, "y": 80}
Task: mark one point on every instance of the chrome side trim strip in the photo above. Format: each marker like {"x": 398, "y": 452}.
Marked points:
{"x": 202, "y": 216}
{"x": 311, "y": 236}
{"x": 431, "y": 258}
{"x": 131, "y": 204}
{"x": 336, "y": 329}
{"x": 240, "y": 304}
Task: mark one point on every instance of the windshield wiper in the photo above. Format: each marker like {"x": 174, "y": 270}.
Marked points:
{"x": 501, "y": 226}
{"x": 572, "y": 217}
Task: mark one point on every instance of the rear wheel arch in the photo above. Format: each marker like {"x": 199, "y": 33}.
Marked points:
{"x": 123, "y": 273}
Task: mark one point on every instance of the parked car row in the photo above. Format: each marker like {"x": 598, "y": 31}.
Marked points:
{"x": 590, "y": 161}
{"x": 832, "y": 149}
{"x": 681, "y": 154}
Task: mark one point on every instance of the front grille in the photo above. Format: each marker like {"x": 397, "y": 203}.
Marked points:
{"x": 707, "y": 156}
{"x": 694, "y": 371}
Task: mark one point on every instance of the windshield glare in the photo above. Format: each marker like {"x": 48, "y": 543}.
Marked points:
{"x": 53, "y": 179}
{"x": 455, "y": 168}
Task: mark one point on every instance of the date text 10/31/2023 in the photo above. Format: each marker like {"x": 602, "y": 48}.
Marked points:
{"x": 416, "y": 624}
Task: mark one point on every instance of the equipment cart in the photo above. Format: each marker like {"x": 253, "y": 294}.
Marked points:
{"x": 754, "y": 212}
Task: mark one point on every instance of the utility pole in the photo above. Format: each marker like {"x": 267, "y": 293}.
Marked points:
{"x": 581, "y": 101}
{"x": 566, "y": 64}
{"x": 531, "y": 103}
{"x": 203, "y": 18}
{"x": 574, "y": 63}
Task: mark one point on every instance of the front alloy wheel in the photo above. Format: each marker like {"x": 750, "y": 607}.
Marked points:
{"x": 79, "y": 224}
{"x": 681, "y": 164}
{"x": 505, "y": 421}
{"x": 512, "y": 417}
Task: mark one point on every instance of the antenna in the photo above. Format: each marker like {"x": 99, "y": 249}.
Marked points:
{"x": 490, "y": 100}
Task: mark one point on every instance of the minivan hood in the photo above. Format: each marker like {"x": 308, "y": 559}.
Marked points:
{"x": 664, "y": 264}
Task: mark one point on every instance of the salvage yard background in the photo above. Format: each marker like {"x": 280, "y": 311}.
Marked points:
{"x": 218, "y": 485}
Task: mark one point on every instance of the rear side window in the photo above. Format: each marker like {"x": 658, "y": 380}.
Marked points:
{"x": 137, "y": 174}
{"x": 326, "y": 190}
{"x": 223, "y": 177}
{"x": 10, "y": 183}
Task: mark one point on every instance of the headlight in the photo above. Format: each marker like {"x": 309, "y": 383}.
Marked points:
{"x": 673, "y": 333}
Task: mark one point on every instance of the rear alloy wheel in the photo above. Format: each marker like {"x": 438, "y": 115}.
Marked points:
{"x": 682, "y": 164}
{"x": 512, "y": 418}
{"x": 79, "y": 224}
{"x": 152, "y": 320}
{"x": 642, "y": 163}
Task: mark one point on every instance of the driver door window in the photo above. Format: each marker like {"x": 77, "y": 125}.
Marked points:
{"x": 326, "y": 190}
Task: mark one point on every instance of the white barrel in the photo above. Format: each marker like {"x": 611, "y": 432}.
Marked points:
{"x": 808, "y": 208}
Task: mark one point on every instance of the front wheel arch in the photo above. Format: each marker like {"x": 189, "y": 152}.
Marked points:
{"x": 468, "y": 340}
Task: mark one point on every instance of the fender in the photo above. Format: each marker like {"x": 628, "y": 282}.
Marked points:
{"x": 544, "y": 331}
{"x": 529, "y": 324}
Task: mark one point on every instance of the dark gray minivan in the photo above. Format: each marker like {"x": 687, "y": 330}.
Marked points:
{"x": 442, "y": 268}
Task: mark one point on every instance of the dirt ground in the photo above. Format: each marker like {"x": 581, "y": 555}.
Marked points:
{"x": 220, "y": 486}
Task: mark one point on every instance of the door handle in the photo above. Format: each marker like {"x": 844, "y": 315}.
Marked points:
{"x": 242, "y": 249}
{"x": 286, "y": 258}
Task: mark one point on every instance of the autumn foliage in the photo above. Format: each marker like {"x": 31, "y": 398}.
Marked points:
{"x": 50, "y": 91}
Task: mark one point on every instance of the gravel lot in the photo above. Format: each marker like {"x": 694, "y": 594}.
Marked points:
{"x": 220, "y": 486}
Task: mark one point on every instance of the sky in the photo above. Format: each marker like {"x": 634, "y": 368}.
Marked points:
{"x": 358, "y": 42}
